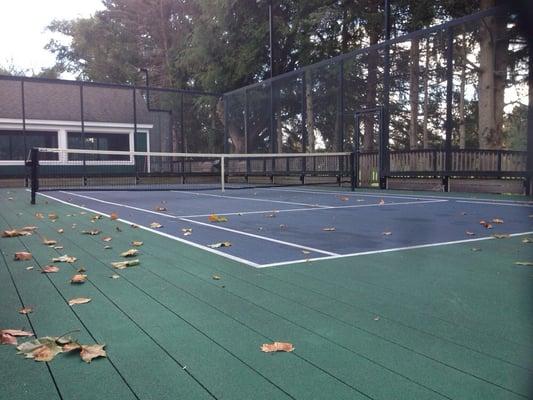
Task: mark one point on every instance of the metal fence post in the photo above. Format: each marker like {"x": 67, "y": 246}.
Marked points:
{"x": 449, "y": 98}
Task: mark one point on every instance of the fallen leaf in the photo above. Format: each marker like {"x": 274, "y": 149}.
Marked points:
{"x": 136, "y": 243}
{"x": 42, "y": 349}
{"x": 39, "y": 215}
{"x": 65, "y": 258}
{"x": 501, "y": 235}
{"x": 29, "y": 268}
{"x": 115, "y": 276}
{"x": 376, "y": 318}
{"x": 524, "y": 263}
{"x": 92, "y": 232}
{"x": 95, "y": 217}
{"x": 329, "y": 229}
{"x": 271, "y": 215}
{"x": 107, "y": 239}
{"x": 155, "y": 225}
{"x": 387, "y": 233}
{"x": 107, "y": 247}
{"x": 49, "y": 269}
{"x": 282, "y": 226}
{"x": 527, "y": 240}
{"x": 485, "y": 224}
{"x": 497, "y": 221}
{"x": 113, "y": 216}
{"x": 187, "y": 231}
{"x": 78, "y": 300}
{"x": 344, "y": 198}
{"x": 216, "y": 277}
{"x": 22, "y": 256}
{"x": 381, "y": 202}
{"x": 217, "y": 218}
{"x": 82, "y": 269}
{"x": 25, "y": 231}
{"x": 9, "y": 336}
{"x": 89, "y": 352}
{"x": 220, "y": 244}
{"x": 125, "y": 264}
{"x": 160, "y": 208}
{"x": 53, "y": 216}
{"x": 130, "y": 253}
{"x": 25, "y": 310}
{"x": 7, "y": 339}
{"x": 117, "y": 228}
{"x": 306, "y": 252}
{"x": 475, "y": 249}
{"x": 58, "y": 247}
{"x": 71, "y": 346}
{"x": 469, "y": 233}
{"x": 78, "y": 278}
{"x": 49, "y": 242}
{"x": 277, "y": 346}
{"x": 135, "y": 226}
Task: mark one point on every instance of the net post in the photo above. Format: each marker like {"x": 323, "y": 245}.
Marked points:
{"x": 352, "y": 170}
{"x": 34, "y": 172}
{"x": 222, "y": 174}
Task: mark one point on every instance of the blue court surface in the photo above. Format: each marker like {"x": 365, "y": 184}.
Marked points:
{"x": 273, "y": 226}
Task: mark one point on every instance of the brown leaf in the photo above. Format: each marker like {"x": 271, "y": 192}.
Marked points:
{"x": 130, "y": 253}
{"x": 78, "y": 278}
{"x": 88, "y": 352}
{"x": 485, "y": 224}
{"x": 22, "y": 256}
{"x": 124, "y": 264}
{"x": 49, "y": 242}
{"x": 49, "y": 269}
{"x": 216, "y": 277}
{"x": 277, "y": 346}
{"x": 39, "y": 215}
{"x": 160, "y": 208}
{"x": 78, "y": 300}
{"x": 217, "y": 218}
{"x": 53, "y": 216}
{"x": 113, "y": 216}
{"x": 65, "y": 258}
{"x": 524, "y": 263}
{"x": 329, "y": 229}
{"x": 92, "y": 232}
{"x": 381, "y": 202}
{"x": 344, "y": 198}
{"x": 15, "y": 233}
{"x": 220, "y": 244}
{"x": 527, "y": 240}
{"x": 9, "y": 336}
{"x": 501, "y": 235}
{"x": 25, "y": 310}
{"x": 42, "y": 349}
{"x": 155, "y": 225}
{"x": 70, "y": 346}
{"x": 469, "y": 233}
{"x": 387, "y": 233}
{"x": 136, "y": 243}
{"x": 107, "y": 239}
{"x": 61, "y": 230}
{"x": 497, "y": 221}
{"x": 187, "y": 231}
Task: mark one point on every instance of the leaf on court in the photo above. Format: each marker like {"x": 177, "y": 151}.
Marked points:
{"x": 92, "y": 232}
{"x": 376, "y": 318}
{"x": 187, "y": 231}
{"x": 43, "y": 349}
{"x": 107, "y": 247}
{"x": 107, "y": 238}
{"x": 470, "y": 233}
{"x": 271, "y": 215}
{"x": 78, "y": 278}
{"x": 22, "y": 256}
{"x": 39, "y": 215}
{"x": 387, "y": 233}
{"x": 497, "y": 221}
{"x": 113, "y": 216}
{"x": 160, "y": 208}
{"x": 135, "y": 226}
{"x": 485, "y": 224}
{"x": 82, "y": 269}
{"x": 25, "y": 310}
{"x": 381, "y": 202}
{"x": 527, "y": 240}
{"x": 329, "y": 229}
{"x": 501, "y": 235}
{"x": 96, "y": 217}
{"x": 29, "y": 268}
{"x": 475, "y": 249}
{"x": 282, "y": 226}
{"x": 89, "y": 352}
{"x": 306, "y": 252}
{"x": 25, "y": 231}
{"x": 216, "y": 277}
{"x": 277, "y": 346}
{"x": 217, "y": 218}
{"x": 61, "y": 230}
{"x": 49, "y": 269}
{"x": 220, "y": 244}
{"x": 52, "y": 216}
{"x": 524, "y": 263}
{"x": 78, "y": 300}
{"x": 463, "y": 213}
{"x": 64, "y": 258}
{"x": 9, "y": 336}
{"x": 49, "y": 242}
{"x": 136, "y": 243}
{"x": 130, "y": 253}
{"x": 125, "y": 264}
{"x": 115, "y": 276}
{"x": 344, "y": 198}
{"x": 155, "y": 225}
{"x": 83, "y": 212}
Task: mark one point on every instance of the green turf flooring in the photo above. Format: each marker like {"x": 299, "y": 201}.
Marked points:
{"x": 432, "y": 323}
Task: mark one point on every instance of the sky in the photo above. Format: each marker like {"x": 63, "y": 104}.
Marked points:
{"x": 23, "y": 29}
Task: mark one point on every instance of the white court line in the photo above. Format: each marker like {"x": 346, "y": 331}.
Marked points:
{"x": 364, "y": 253}
{"x": 400, "y": 196}
{"x": 290, "y": 244}
{"x": 318, "y": 209}
{"x": 177, "y": 239}
{"x": 252, "y": 199}
{"x": 496, "y": 204}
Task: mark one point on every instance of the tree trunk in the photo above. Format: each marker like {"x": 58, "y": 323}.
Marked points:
{"x": 310, "y": 118}
{"x": 425, "y": 138}
{"x": 371, "y": 90}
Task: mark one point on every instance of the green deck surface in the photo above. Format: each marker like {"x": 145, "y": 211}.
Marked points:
{"x": 430, "y": 323}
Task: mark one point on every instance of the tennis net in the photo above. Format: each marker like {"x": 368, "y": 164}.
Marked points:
{"x": 59, "y": 169}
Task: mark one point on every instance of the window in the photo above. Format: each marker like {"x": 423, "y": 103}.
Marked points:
{"x": 15, "y": 145}
{"x": 98, "y": 141}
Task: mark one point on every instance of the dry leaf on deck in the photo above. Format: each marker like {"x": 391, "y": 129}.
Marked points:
{"x": 113, "y": 216}
{"x": 485, "y": 224}
{"x": 65, "y": 258}
{"x": 527, "y": 240}
{"x": 78, "y": 300}
{"x": 220, "y": 244}
{"x": 155, "y": 225}
{"x": 497, "y": 221}
{"x": 117, "y": 228}
{"x": 216, "y": 277}
{"x": 107, "y": 247}
{"x": 524, "y": 263}
{"x": 130, "y": 253}
{"x": 387, "y": 233}
{"x": 39, "y": 215}
{"x": 49, "y": 242}
{"x": 9, "y": 336}
{"x": 88, "y": 352}
{"x": 96, "y": 217}
{"x": 58, "y": 247}
{"x": 501, "y": 235}
{"x": 78, "y": 278}
{"x": 160, "y": 208}
{"x": 107, "y": 239}
{"x": 381, "y": 202}
{"x": 125, "y": 264}
{"x": 277, "y": 346}
{"x": 25, "y": 310}
{"x": 344, "y": 198}
{"x": 49, "y": 269}
{"x": 92, "y": 232}
{"x": 306, "y": 252}
{"x": 29, "y": 268}
{"x": 329, "y": 229}
{"x": 22, "y": 256}
{"x": 137, "y": 243}
{"x": 115, "y": 276}
{"x": 470, "y": 233}
{"x": 26, "y": 231}
{"x": 42, "y": 349}
{"x": 53, "y": 216}
{"x": 187, "y": 231}
{"x": 217, "y": 218}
